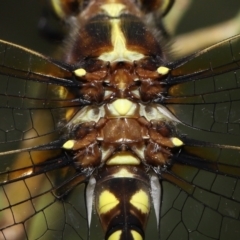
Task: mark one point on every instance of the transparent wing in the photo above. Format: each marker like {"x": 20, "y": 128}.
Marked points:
{"x": 201, "y": 198}
{"x": 36, "y": 103}
{"x": 206, "y": 85}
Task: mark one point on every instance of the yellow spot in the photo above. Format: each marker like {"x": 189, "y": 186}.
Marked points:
{"x": 69, "y": 144}
{"x": 116, "y": 235}
{"x": 123, "y": 173}
{"x": 107, "y": 201}
{"x": 122, "y": 106}
{"x": 176, "y": 142}
{"x": 113, "y": 9}
{"x": 123, "y": 158}
{"x": 136, "y": 235}
{"x": 140, "y": 200}
{"x": 163, "y": 70}
{"x": 80, "y": 72}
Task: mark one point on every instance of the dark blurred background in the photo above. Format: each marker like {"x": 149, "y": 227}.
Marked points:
{"x": 204, "y": 13}
{"x": 19, "y": 20}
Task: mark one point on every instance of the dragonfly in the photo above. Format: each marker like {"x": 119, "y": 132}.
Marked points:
{"x": 58, "y": 115}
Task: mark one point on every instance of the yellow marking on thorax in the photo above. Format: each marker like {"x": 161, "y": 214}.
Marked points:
{"x": 136, "y": 235}
{"x": 123, "y": 173}
{"x": 107, "y": 201}
{"x": 116, "y": 235}
{"x": 123, "y": 158}
{"x": 140, "y": 200}
{"x": 120, "y": 51}
{"x": 113, "y": 9}
{"x": 122, "y": 107}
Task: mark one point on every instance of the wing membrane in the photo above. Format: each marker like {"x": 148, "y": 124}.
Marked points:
{"x": 34, "y": 99}
{"x": 219, "y": 58}
{"x": 204, "y": 195}
{"x": 206, "y": 85}
{"x": 33, "y": 91}
{"x": 24, "y": 63}
{"x": 204, "y": 94}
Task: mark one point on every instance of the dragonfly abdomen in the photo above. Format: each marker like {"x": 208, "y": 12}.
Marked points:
{"x": 122, "y": 200}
